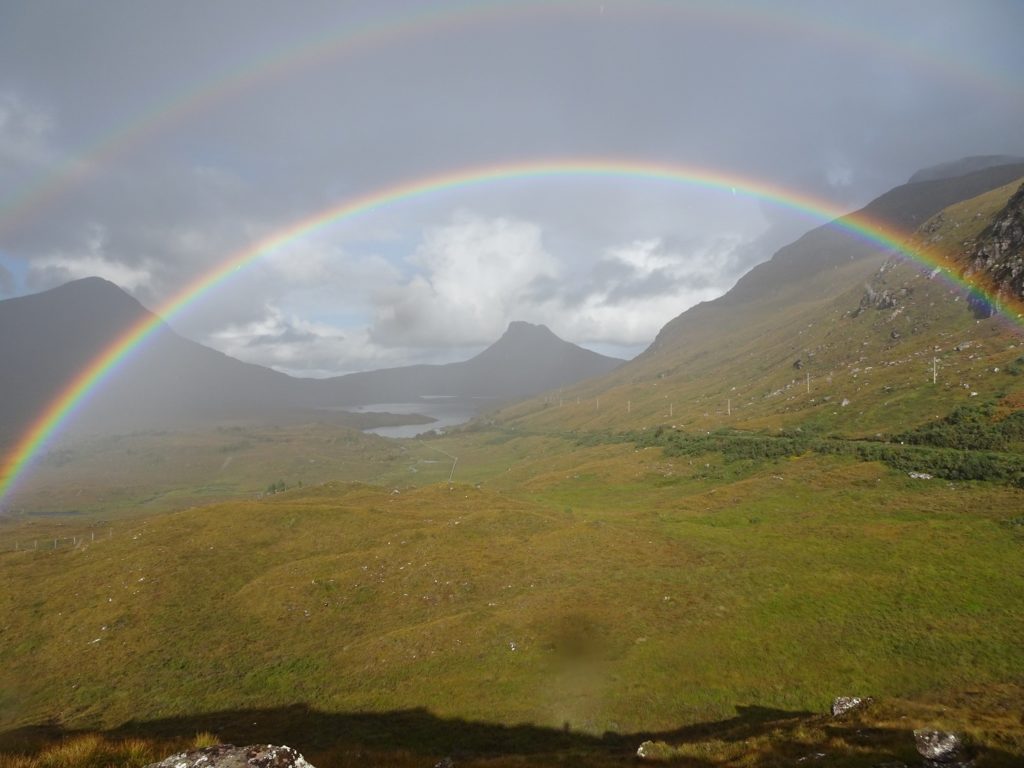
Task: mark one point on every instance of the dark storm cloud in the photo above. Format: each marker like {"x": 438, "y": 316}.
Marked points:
{"x": 837, "y": 101}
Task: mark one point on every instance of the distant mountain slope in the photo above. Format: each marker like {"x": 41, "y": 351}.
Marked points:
{"x": 963, "y": 166}
{"x": 50, "y": 337}
{"x": 785, "y": 277}
{"x": 526, "y": 360}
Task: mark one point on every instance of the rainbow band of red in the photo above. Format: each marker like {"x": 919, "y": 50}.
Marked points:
{"x": 61, "y": 409}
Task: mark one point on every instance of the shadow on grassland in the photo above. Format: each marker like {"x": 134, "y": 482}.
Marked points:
{"x": 415, "y": 737}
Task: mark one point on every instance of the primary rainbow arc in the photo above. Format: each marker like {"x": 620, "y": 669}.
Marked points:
{"x": 62, "y": 408}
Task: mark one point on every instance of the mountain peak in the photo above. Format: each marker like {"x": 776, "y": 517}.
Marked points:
{"x": 523, "y": 328}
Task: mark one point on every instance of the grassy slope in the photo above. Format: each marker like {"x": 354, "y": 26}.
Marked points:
{"x": 641, "y": 592}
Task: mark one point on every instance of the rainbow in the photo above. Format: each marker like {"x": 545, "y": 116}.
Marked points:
{"x": 426, "y": 20}
{"x": 74, "y": 394}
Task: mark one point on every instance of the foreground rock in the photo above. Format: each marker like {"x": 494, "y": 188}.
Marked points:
{"x": 843, "y": 704}
{"x": 230, "y": 756}
{"x": 942, "y": 749}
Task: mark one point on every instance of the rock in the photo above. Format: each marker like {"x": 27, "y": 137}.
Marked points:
{"x": 653, "y": 750}
{"x": 445, "y": 762}
{"x": 230, "y": 756}
{"x": 844, "y": 704}
{"x": 942, "y": 749}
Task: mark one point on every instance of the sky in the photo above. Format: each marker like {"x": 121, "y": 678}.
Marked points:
{"x": 149, "y": 142}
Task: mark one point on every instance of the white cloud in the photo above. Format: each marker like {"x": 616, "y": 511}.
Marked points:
{"x": 638, "y": 287}
{"x": 474, "y": 275}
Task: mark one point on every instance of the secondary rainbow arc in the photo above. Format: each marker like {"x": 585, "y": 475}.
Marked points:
{"x": 59, "y": 411}
{"x": 432, "y": 20}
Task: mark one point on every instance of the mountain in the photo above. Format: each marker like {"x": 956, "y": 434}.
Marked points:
{"x": 50, "y": 337}
{"x": 833, "y": 332}
{"x": 526, "y": 360}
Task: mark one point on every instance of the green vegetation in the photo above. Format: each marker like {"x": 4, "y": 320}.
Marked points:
{"x": 961, "y": 447}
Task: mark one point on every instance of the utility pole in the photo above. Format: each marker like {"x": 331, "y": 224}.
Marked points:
{"x": 728, "y": 406}
{"x": 935, "y": 370}
{"x": 808, "y": 382}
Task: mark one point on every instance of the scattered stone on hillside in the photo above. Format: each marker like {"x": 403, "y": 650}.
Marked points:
{"x": 894, "y": 334}
{"x": 230, "y": 756}
{"x": 942, "y": 749}
{"x": 843, "y": 704}
{"x": 653, "y": 750}
{"x": 445, "y": 762}
{"x": 881, "y": 298}
{"x": 798, "y": 364}
{"x": 919, "y": 475}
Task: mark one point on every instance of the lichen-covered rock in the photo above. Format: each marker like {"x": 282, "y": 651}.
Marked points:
{"x": 843, "y": 704}
{"x": 230, "y": 756}
{"x": 942, "y": 749}
{"x": 654, "y": 750}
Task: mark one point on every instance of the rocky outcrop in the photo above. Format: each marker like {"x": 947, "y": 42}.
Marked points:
{"x": 883, "y": 298}
{"x": 999, "y": 251}
{"x": 942, "y": 749}
{"x": 843, "y": 704}
{"x": 230, "y": 756}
